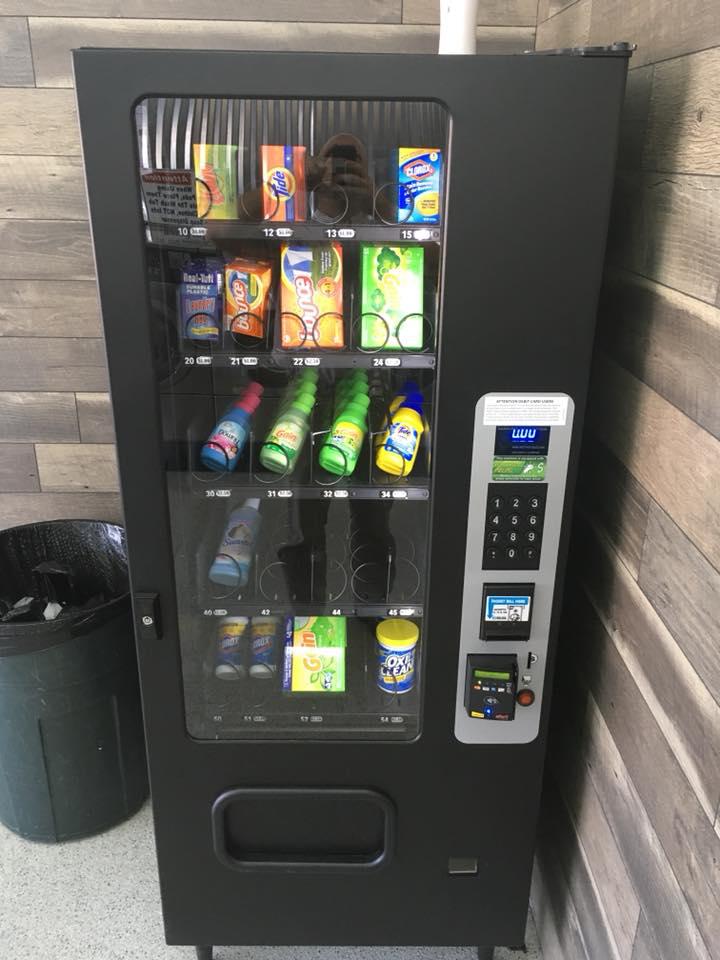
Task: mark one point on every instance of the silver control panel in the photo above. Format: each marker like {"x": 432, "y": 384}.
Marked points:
{"x": 521, "y": 447}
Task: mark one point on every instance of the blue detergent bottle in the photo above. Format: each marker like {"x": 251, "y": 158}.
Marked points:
{"x": 231, "y": 566}
{"x": 221, "y": 451}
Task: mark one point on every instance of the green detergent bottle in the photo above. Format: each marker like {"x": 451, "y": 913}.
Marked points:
{"x": 339, "y": 454}
{"x": 282, "y": 447}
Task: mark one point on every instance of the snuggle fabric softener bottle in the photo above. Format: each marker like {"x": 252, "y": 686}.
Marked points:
{"x": 221, "y": 451}
{"x": 231, "y": 567}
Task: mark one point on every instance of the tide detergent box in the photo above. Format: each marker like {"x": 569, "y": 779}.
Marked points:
{"x": 315, "y": 655}
{"x": 215, "y": 167}
{"x": 199, "y": 299}
{"x": 311, "y": 296}
{"x": 247, "y": 288}
{"x": 391, "y": 280}
{"x": 419, "y": 170}
{"x": 283, "y": 190}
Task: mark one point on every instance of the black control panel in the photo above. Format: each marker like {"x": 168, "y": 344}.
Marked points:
{"x": 513, "y": 526}
{"x": 490, "y": 686}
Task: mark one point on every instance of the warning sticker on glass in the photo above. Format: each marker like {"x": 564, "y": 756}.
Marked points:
{"x": 528, "y": 411}
{"x": 508, "y": 609}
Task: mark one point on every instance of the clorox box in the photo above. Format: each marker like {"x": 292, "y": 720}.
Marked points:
{"x": 419, "y": 170}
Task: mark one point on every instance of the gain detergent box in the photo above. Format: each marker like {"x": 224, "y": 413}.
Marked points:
{"x": 391, "y": 280}
{"x": 419, "y": 171}
{"x": 215, "y": 166}
{"x": 315, "y": 655}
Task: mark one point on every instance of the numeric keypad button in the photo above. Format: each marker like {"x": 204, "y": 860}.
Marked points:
{"x": 534, "y": 503}
{"x": 493, "y": 537}
{"x": 516, "y": 503}
{"x": 533, "y": 520}
{"x": 495, "y": 520}
{"x": 513, "y": 536}
{"x": 497, "y": 503}
{"x": 514, "y": 519}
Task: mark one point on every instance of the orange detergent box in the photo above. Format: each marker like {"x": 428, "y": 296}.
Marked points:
{"x": 283, "y": 191}
{"x": 247, "y": 288}
{"x": 311, "y": 296}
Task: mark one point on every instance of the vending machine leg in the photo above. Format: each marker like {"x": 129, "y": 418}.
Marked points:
{"x": 204, "y": 953}
{"x": 486, "y": 953}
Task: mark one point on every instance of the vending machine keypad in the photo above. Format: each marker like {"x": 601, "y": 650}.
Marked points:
{"x": 514, "y": 519}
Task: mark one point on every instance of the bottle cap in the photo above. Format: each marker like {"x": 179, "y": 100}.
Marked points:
{"x": 249, "y": 403}
{"x": 397, "y": 634}
{"x": 255, "y": 387}
{"x": 359, "y": 400}
{"x": 253, "y": 502}
{"x": 303, "y": 403}
{"x": 413, "y": 401}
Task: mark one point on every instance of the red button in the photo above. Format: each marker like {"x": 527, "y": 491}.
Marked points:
{"x": 526, "y": 697}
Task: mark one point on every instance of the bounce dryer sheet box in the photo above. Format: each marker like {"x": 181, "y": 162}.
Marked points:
{"x": 419, "y": 172}
{"x": 199, "y": 299}
{"x": 247, "y": 288}
{"x": 391, "y": 298}
{"x": 315, "y": 656}
{"x": 311, "y": 296}
{"x": 215, "y": 181}
{"x": 283, "y": 174}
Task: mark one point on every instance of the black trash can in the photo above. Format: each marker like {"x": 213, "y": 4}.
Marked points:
{"x": 72, "y": 751}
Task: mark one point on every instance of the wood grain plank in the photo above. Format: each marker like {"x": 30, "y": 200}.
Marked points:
{"x": 548, "y": 8}
{"x": 569, "y": 28}
{"x": 680, "y": 824}
{"x": 68, "y": 467}
{"x": 54, "y": 38}
{"x": 509, "y": 13}
{"x": 634, "y": 118}
{"x": 53, "y": 188}
{"x": 667, "y": 228}
{"x": 39, "y": 123}
{"x": 556, "y": 919}
{"x": 683, "y": 131}
{"x": 16, "y": 68}
{"x": 49, "y": 308}
{"x": 685, "y": 590}
{"x": 645, "y": 945}
{"x": 96, "y": 418}
{"x": 17, "y": 508}
{"x": 668, "y": 453}
{"x": 32, "y": 364}
{"x": 611, "y": 495}
{"x": 661, "y": 30}
{"x": 668, "y": 340}
{"x": 38, "y": 416}
{"x": 661, "y": 897}
{"x": 18, "y": 470}
{"x": 373, "y": 11}
{"x": 55, "y": 248}
{"x": 676, "y": 697}
{"x": 581, "y": 884}
{"x": 615, "y": 889}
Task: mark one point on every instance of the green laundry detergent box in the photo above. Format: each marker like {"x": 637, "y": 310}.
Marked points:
{"x": 391, "y": 281}
{"x": 315, "y": 655}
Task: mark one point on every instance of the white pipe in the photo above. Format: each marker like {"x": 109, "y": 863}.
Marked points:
{"x": 458, "y": 23}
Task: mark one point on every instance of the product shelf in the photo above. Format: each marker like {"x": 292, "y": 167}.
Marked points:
{"x": 208, "y": 235}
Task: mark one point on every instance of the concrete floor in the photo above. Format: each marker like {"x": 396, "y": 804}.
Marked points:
{"x": 98, "y": 899}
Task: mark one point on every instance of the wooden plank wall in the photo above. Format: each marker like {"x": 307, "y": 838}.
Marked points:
{"x": 628, "y": 864}
{"x": 57, "y": 457}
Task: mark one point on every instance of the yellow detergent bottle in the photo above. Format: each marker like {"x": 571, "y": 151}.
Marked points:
{"x": 401, "y": 441}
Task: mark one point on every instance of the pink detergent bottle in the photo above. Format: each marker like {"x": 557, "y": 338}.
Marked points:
{"x": 221, "y": 451}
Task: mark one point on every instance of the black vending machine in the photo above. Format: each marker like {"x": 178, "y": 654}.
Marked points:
{"x": 349, "y": 304}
